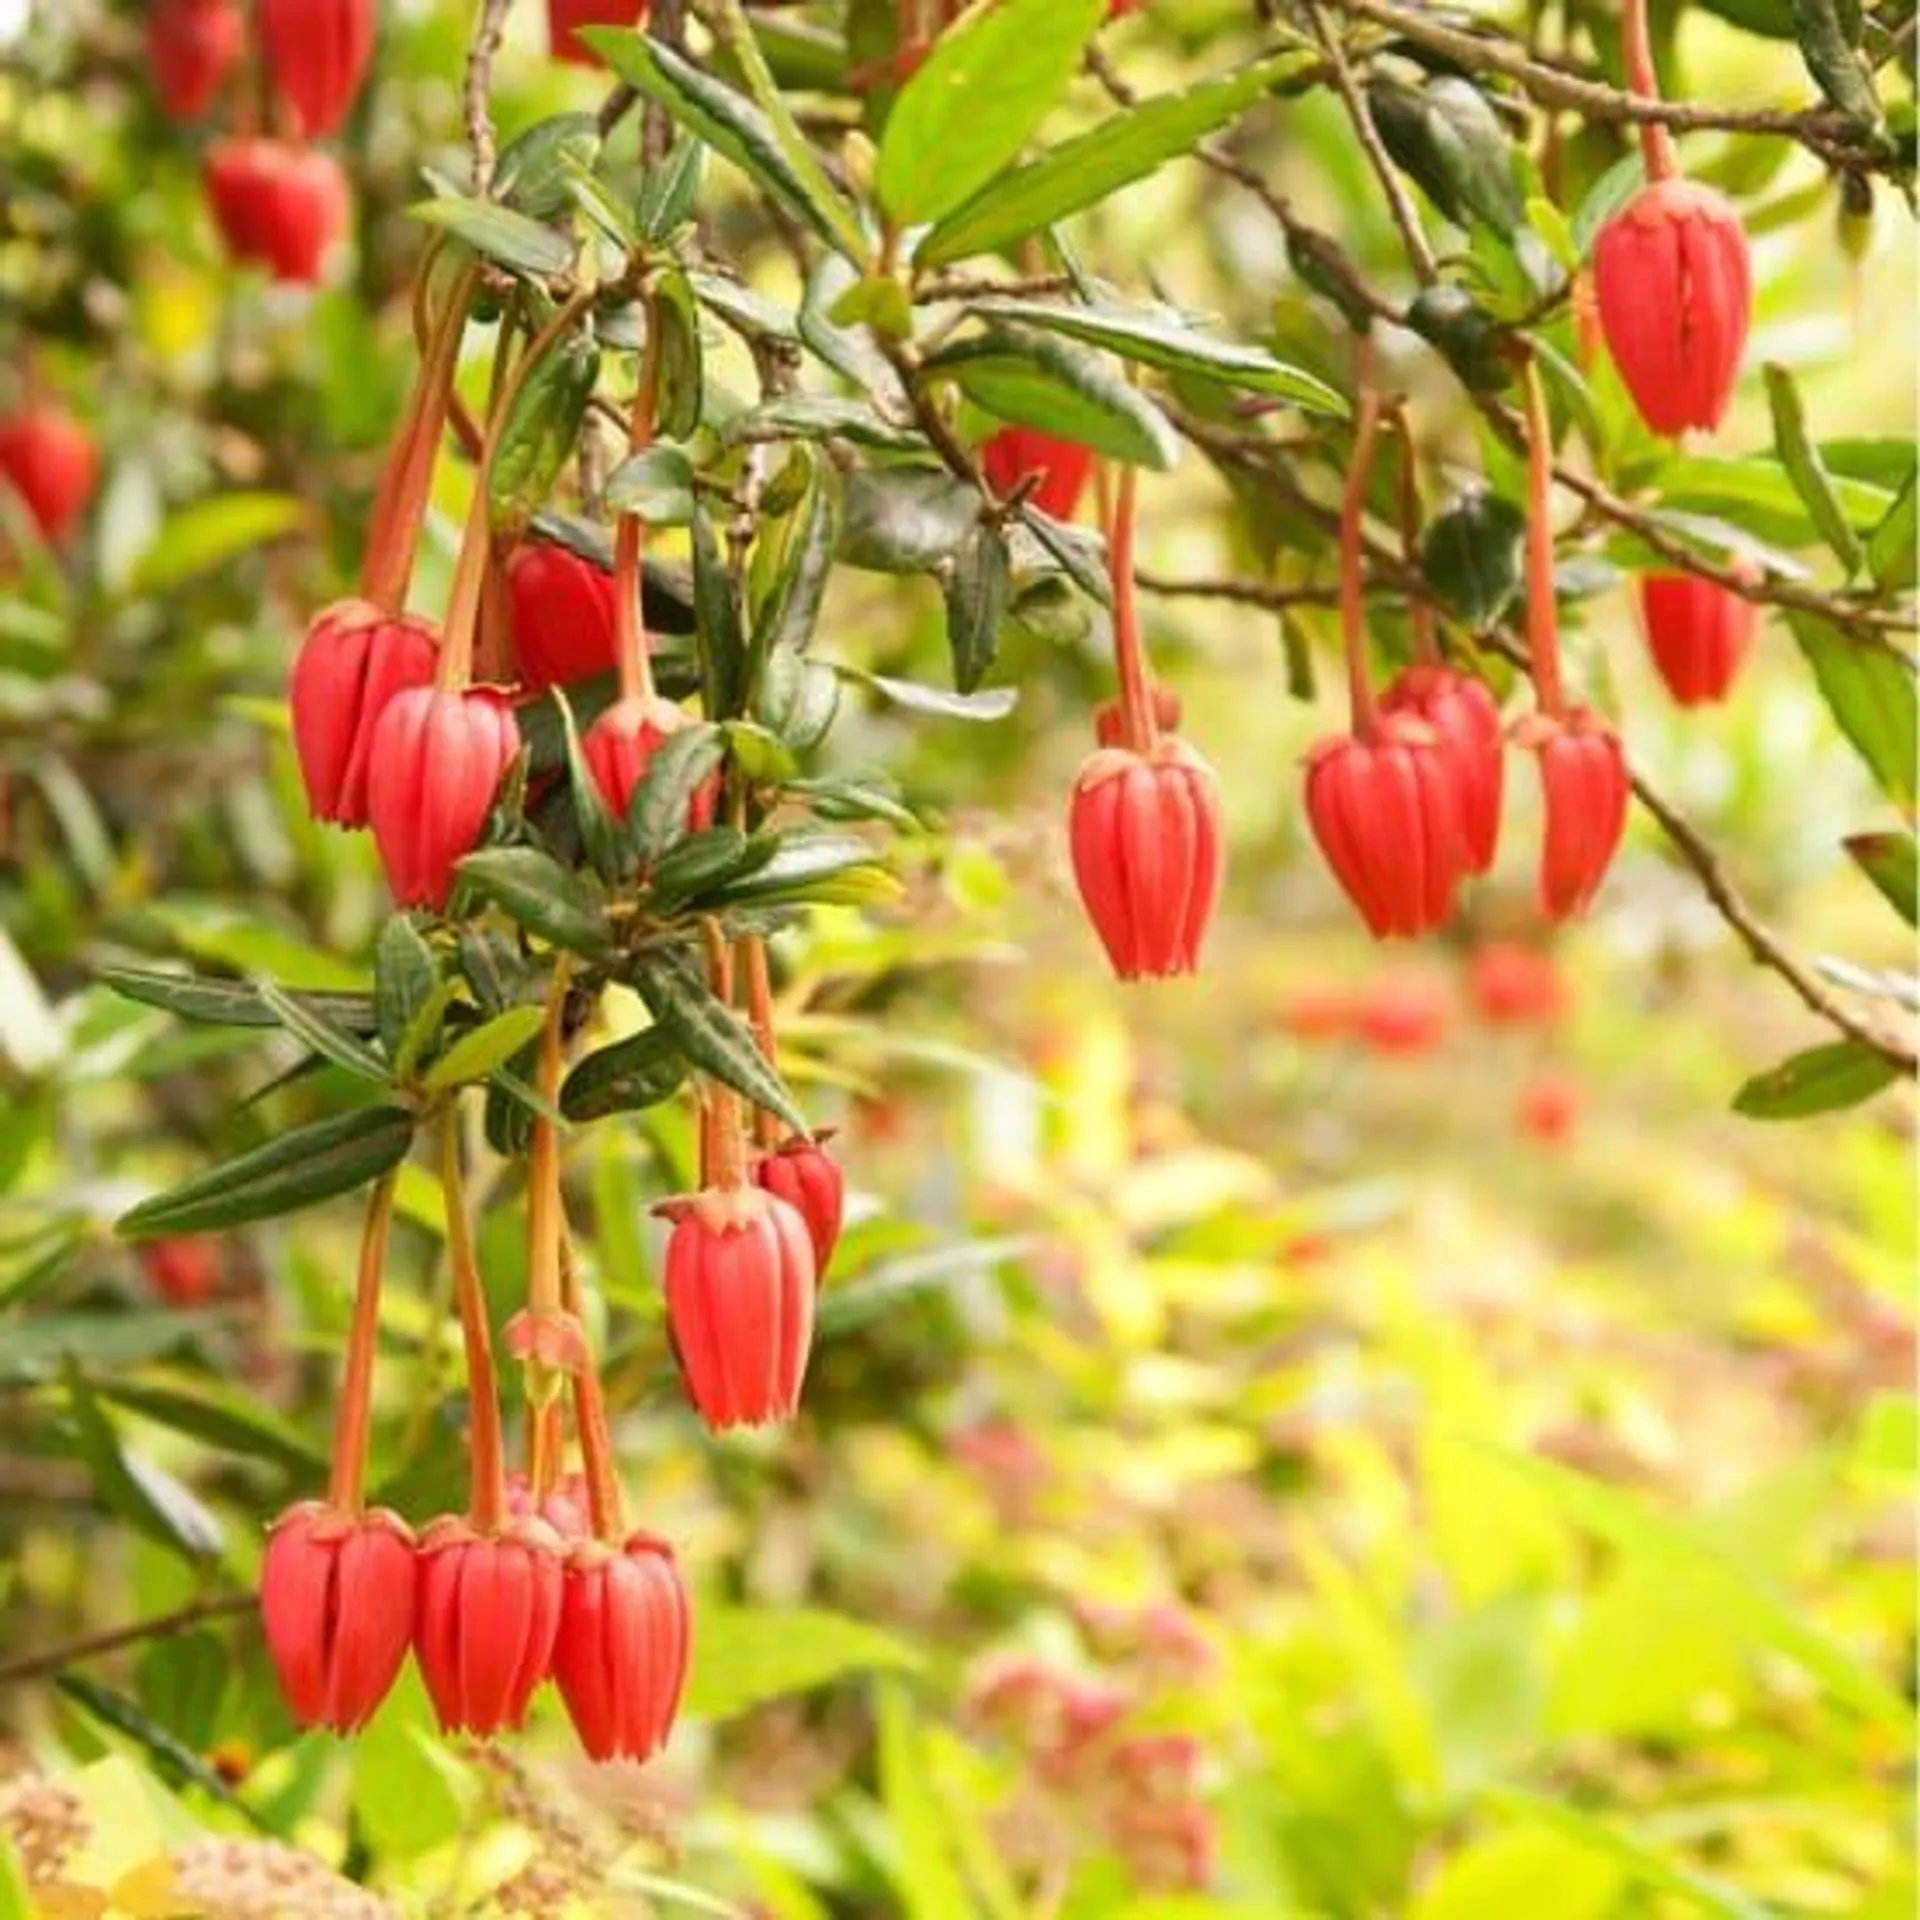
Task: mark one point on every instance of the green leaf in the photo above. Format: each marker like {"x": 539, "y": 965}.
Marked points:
{"x": 799, "y": 867}
{"x": 744, "y": 1657}
{"x": 723, "y": 652}
{"x": 1164, "y": 341}
{"x": 873, "y": 1294}
{"x": 1892, "y": 546}
{"x": 682, "y": 376}
{"x": 870, "y": 798}
{"x": 1449, "y": 139}
{"x": 976, "y": 100}
{"x": 792, "y": 561}
{"x": 511, "y": 238}
{"x": 598, "y": 834}
{"x": 479, "y": 1052}
{"x": 925, "y": 1870}
{"x": 216, "y": 1415}
{"x": 535, "y": 891}
{"x": 405, "y": 974}
{"x": 683, "y": 764}
{"x": 656, "y": 483}
{"x": 535, "y": 165}
{"x": 35, "y": 1349}
{"x": 715, "y": 1039}
{"x": 990, "y": 703}
{"x": 541, "y": 430}
{"x": 233, "y": 1003}
{"x": 631, "y": 1074}
{"x": 699, "y": 862}
{"x": 976, "y": 589}
{"x": 598, "y": 202}
{"x": 819, "y": 416}
{"x": 176, "y": 1765}
{"x": 1126, "y": 146}
{"x": 148, "y": 1498}
{"x": 181, "y": 1680}
{"x": 1820, "y": 1080}
{"x": 1808, "y": 472}
{"x": 1887, "y": 859}
{"x": 1607, "y": 196}
{"x": 905, "y": 519}
{"x": 1871, "y": 694}
{"x": 668, "y": 191}
{"x": 797, "y": 698}
{"x": 297, "y": 1169}
{"x": 1025, "y": 376}
{"x": 1829, "y": 35}
{"x": 321, "y": 1035}
{"x": 734, "y": 128}
{"x": 1471, "y": 551}
{"x": 213, "y": 533}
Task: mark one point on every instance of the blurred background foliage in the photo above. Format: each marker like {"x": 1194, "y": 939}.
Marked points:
{"x": 1287, "y": 1446}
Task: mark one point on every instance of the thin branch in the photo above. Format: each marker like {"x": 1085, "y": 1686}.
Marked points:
{"x": 1246, "y": 593}
{"x": 36, "y": 1666}
{"x": 488, "y": 32}
{"x": 961, "y": 286}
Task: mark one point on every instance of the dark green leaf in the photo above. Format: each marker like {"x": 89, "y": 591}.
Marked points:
{"x": 657, "y": 817}
{"x": 797, "y": 698}
{"x": 536, "y": 892}
{"x": 144, "y": 1495}
{"x": 870, "y": 798}
{"x": 715, "y": 1039}
{"x": 598, "y": 834}
{"x": 682, "y": 378}
{"x": 1446, "y": 136}
{"x": 35, "y": 1349}
{"x": 215, "y": 1414}
{"x": 819, "y": 416}
{"x": 181, "y": 1679}
{"x": 1894, "y": 545}
{"x": 501, "y": 234}
{"x": 1079, "y": 553}
{"x": 698, "y": 862}
{"x": 631, "y": 1074}
{"x": 542, "y": 428}
{"x": 1871, "y": 694}
{"x": 1821, "y": 1080}
{"x": 1829, "y": 35}
{"x": 1469, "y": 338}
{"x": 1471, "y": 552}
{"x": 800, "y": 867}
{"x": 1126, "y": 146}
{"x": 795, "y": 555}
{"x": 905, "y": 519}
{"x": 976, "y": 588}
{"x": 848, "y": 352}
{"x": 668, "y": 191}
{"x": 532, "y": 172}
{"x": 321, "y": 1035}
{"x": 1887, "y": 859}
{"x": 176, "y": 1765}
{"x": 976, "y": 101}
{"x": 233, "y": 1003}
{"x": 405, "y": 974}
{"x": 594, "y": 198}
{"x": 1154, "y": 339}
{"x": 723, "y": 651}
{"x": 656, "y": 483}
{"x": 310, "y": 1164}
{"x": 1027, "y": 376}
{"x": 1811, "y": 481}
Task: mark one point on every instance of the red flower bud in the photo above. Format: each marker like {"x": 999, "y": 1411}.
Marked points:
{"x": 1462, "y": 711}
{"x": 1549, "y": 1109}
{"x": 1515, "y": 986}
{"x": 337, "y": 1595}
{"x": 562, "y": 610}
{"x": 489, "y": 1611}
{"x": 279, "y": 207}
{"x": 565, "y": 17}
{"x": 354, "y": 660}
{"x": 186, "y": 1272}
{"x": 1675, "y": 289}
{"x": 808, "y": 1178}
{"x": 1144, "y": 830}
{"x": 623, "y": 740}
{"x": 317, "y": 52}
{"x": 1109, "y": 717}
{"x": 1403, "y": 1018}
{"x": 192, "y": 45}
{"x": 1584, "y": 784}
{"x": 565, "y": 1509}
{"x": 620, "y": 1661}
{"x": 1699, "y": 633}
{"x": 1063, "y": 466}
{"x": 740, "y": 1287}
{"x": 47, "y": 458}
{"x": 1386, "y": 812}
{"x": 438, "y": 759}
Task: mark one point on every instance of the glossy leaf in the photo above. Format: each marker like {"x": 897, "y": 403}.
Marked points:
{"x": 655, "y": 483}
{"x": 905, "y": 519}
{"x": 232, "y": 1003}
{"x": 1823, "y": 1079}
{"x": 536, "y": 892}
{"x": 405, "y": 974}
{"x": 631, "y": 1074}
{"x": 657, "y": 817}
{"x": 1887, "y": 859}
{"x": 541, "y": 430}
{"x": 501, "y": 234}
{"x": 1871, "y": 694}
{"x": 976, "y": 590}
{"x": 483, "y": 1049}
{"x": 1811, "y": 481}
{"x": 321, "y": 1035}
{"x": 713, "y": 1038}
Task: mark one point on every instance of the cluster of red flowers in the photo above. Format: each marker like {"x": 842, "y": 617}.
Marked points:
{"x": 279, "y": 204}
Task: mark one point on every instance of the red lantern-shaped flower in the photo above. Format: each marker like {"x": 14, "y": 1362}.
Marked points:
{"x": 1585, "y": 788}
{"x": 740, "y": 1286}
{"x": 809, "y": 1179}
{"x": 621, "y": 743}
{"x": 620, "y": 1661}
{"x": 1465, "y": 719}
{"x": 1064, "y": 467}
{"x": 1144, "y": 831}
{"x": 337, "y": 1600}
{"x": 1384, "y": 806}
{"x": 317, "y": 53}
{"x": 562, "y": 610}
{"x": 192, "y": 45}
{"x": 1675, "y": 288}
{"x": 489, "y": 1611}
{"x": 566, "y": 17}
{"x": 438, "y": 758}
{"x": 47, "y": 458}
{"x": 1699, "y": 633}
{"x": 353, "y": 662}
{"x": 279, "y": 207}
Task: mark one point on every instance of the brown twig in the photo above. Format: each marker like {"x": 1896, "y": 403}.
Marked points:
{"x": 488, "y": 32}
{"x": 197, "y": 1613}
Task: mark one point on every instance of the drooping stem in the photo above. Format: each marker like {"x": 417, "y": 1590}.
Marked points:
{"x": 753, "y": 953}
{"x": 604, "y": 1502}
{"x": 1137, "y": 724}
{"x": 544, "y": 1224}
{"x": 1426, "y": 644}
{"x": 487, "y": 1493}
{"x": 353, "y": 1423}
{"x": 723, "y": 1146}
{"x": 1543, "y": 629}
{"x": 1656, "y": 143}
{"x": 630, "y": 650}
{"x": 462, "y": 624}
{"x": 1353, "y": 504}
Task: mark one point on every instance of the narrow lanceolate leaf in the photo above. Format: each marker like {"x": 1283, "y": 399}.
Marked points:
{"x": 1125, "y": 147}
{"x": 657, "y": 816}
{"x": 598, "y": 834}
{"x": 175, "y": 1763}
{"x": 812, "y": 866}
{"x": 1166, "y": 342}
{"x": 310, "y": 1164}
{"x": 498, "y": 232}
{"x": 723, "y": 653}
{"x": 732, "y": 126}
{"x": 638, "y": 1072}
{"x": 700, "y": 862}
{"x": 536, "y": 892}
{"x": 541, "y": 430}
{"x": 1893, "y": 548}
{"x": 1446, "y": 135}
{"x": 990, "y": 703}
{"x": 1821, "y": 1080}
{"x": 1871, "y": 694}
{"x": 1887, "y": 859}
{"x": 667, "y": 191}
{"x": 327, "y": 1040}
{"x": 405, "y": 974}
{"x": 232, "y": 1003}
{"x": 144, "y": 1495}
{"x": 656, "y": 483}
{"x": 800, "y": 557}
{"x": 682, "y": 379}
{"x": 976, "y": 101}
{"x": 534, "y": 165}
{"x": 715, "y": 1039}
{"x": 1074, "y": 395}
{"x": 487, "y": 1047}
{"x": 819, "y": 416}
{"x": 1807, "y": 470}
{"x": 976, "y": 590}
